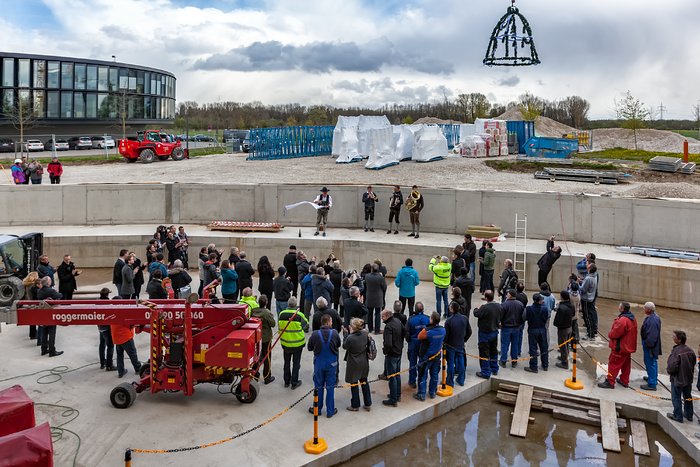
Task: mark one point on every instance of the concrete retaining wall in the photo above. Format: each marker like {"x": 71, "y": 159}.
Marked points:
{"x": 583, "y": 218}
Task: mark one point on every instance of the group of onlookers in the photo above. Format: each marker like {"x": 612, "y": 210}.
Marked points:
{"x": 24, "y": 171}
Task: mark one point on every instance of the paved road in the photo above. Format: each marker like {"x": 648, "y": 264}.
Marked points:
{"x": 88, "y": 152}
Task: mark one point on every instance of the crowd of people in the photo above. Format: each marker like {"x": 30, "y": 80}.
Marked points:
{"x": 24, "y": 171}
{"x": 343, "y": 308}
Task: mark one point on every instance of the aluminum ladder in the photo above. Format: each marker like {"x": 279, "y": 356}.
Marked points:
{"x": 520, "y": 248}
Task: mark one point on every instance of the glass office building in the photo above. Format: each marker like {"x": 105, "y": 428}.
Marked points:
{"x": 57, "y": 91}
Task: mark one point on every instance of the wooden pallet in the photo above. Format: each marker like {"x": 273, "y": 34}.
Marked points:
{"x": 235, "y": 226}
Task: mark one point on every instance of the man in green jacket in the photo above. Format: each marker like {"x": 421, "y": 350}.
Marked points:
{"x": 442, "y": 272}
{"x": 292, "y": 324}
{"x": 489, "y": 264}
{"x": 268, "y": 322}
{"x": 248, "y": 299}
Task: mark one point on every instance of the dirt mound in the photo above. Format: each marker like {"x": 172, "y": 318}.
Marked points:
{"x": 543, "y": 126}
{"x": 435, "y": 121}
{"x": 664, "y": 190}
{"x": 647, "y": 140}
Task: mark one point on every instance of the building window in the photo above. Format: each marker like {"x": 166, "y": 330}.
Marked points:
{"x": 113, "y": 79}
{"x": 66, "y": 76}
{"x": 66, "y": 105}
{"x": 53, "y": 69}
{"x": 132, "y": 80}
{"x": 8, "y": 100}
{"x": 103, "y": 78}
{"x": 79, "y": 105}
{"x": 147, "y": 83}
{"x": 92, "y": 77}
{"x": 39, "y": 74}
{"x": 139, "y": 82}
{"x": 79, "y": 76}
{"x": 91, "y": 106}
{"x": 52, "y": 102}
{"x": 23, "y": 73}
{"x": 123, "y": 78}
{"x": 154, "y": 83}
{"x": 39, "y": 104}
{"x": 8, "y": 72}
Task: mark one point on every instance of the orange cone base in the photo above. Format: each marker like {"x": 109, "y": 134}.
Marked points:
{"x": 446, "y": 392}
{"x": 578, "y": 385}
{"x": 317, "y": 448}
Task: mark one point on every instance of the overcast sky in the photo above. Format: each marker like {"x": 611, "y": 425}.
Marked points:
{"x": 375, "y": 52}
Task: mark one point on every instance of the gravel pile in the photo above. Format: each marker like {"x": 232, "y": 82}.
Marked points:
{"x": 647, "y": 140}
{"x": 664, "y": 190}
{"x": 543, "y": 126}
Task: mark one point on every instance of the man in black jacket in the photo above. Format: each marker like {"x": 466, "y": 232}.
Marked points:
{"x": 466, "y": 285}
{"x": 511, "y": 319}
{"x": 457, "y": 332}
{"x": 48, "y": 334}
{"x": 245, "y": 272}
{"x": 394, "y": 335}
{"x": 469, "y": 255}
{"x": 354, "y": 308}
{"x": 564, "y": 314}
{"x": 509, "y": 279}
{"x": 117, "y": 271}
{"x": 155, "y": 287}
{"x": 290, "y": 264}
{"x": 66, "y": 278}
{"x": 488, "y": 316}
{"x": 546, "y": 262}
{"x": 282, "y": 288}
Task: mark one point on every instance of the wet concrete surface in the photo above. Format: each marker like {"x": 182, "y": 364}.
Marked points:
{"x": 478, "y": 434}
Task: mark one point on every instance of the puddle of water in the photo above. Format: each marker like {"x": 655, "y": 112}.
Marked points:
{"x": 478, "y": 434}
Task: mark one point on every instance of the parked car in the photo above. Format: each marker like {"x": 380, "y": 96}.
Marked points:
{"x": 33, "y": 145}
{"x": 80, "y": 142}
{"x": 102, "y": 142}
{"x": 7, "y": 145}
{"x": 61, "y": 145}
{"x": 203, "y": 139}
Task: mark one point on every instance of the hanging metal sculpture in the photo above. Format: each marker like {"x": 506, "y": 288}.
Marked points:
{"x": 515, "y": 49}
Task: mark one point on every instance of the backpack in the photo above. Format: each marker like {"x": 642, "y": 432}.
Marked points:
{"x": 371, "y": 348}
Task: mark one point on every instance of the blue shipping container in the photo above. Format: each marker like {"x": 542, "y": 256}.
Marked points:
{"x": 524, "y": 129}
{"x": 558, "y": 148}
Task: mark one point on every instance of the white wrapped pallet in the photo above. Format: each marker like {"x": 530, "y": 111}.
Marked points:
{"x": 465, "y": 131}
{"x": 367, "y": 123}
{"x": 404, "y": 145}
{"x": 345, "y": 141}
{"x": 381, "y": 148}
{"x": 430, "y": 144}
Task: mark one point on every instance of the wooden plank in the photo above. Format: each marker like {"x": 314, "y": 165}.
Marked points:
{"x": 510, "y": 399}
{"x": 530, "y": 420}
{"x": 538, "y": 393}
{"x": 583, "y": 417}
{"x": 640, "y": 442}
{"x": 608, "y": 425}
{"x": 522, "y": 411}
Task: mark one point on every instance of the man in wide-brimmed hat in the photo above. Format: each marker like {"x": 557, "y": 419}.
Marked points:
{"x": 326, "y": 202}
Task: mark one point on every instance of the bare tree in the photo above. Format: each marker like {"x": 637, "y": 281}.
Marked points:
{"x": 632, "y": 112}
{"x": 20, "y": 113}
{"x": 696, "y": 115}
{"x": 577, "y": 110}
{"x": 473, "y": 105}
{"x": 531, "y": 106}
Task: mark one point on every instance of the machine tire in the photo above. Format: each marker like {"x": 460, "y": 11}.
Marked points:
{"x": 147, "y": 156}
{"x": 145, "y": 369}
{"x": 123, "y": 396}
{"x": 248, "y": 398}
{"x": 130, "y": 160}
{"x": 178, "y": 154}
{"x": 11, "y": 289}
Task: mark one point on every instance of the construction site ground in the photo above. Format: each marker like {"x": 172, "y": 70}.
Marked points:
{"x": 168, "y": 421}
{"x": 454, "y": 172}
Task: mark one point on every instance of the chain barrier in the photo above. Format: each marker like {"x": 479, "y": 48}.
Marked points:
{"x": 638, "y": 391}
{"x": 523, "y": 359}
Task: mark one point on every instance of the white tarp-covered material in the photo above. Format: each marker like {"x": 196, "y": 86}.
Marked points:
{"x": 380, "y": 144}
{"x": 430, "y": 144}
{"x": 466, "y": 130}
{"x": 404, "y": 144}
{"x": 367, "y": 123}
{"x": 345, "y": 142}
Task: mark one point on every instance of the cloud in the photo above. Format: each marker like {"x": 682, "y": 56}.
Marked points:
{"x": 509, "y": 82}
{"x": 323, "y": 57}
{"x": 386, "y": 91}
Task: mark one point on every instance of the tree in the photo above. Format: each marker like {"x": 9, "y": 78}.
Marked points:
{"x": 632, "y": 112}
{"x": 577, "y": 109}
{"x": 473, "y": 105}
{"x": 531, "y": 106}
{"x": 20, "y": 113}
{"x": 696, "y": 115}
{"x": 407, "y": 120}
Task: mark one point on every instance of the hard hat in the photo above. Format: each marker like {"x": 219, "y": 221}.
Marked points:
{"x": 18, "y": 161}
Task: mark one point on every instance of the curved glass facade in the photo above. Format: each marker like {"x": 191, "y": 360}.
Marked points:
{"x": 63, "y": 89}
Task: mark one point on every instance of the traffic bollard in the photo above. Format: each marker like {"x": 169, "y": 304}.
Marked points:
{"x": 315, "y": 445}
{"x": 127, "y": 458}
{"x": 444, "y": 390}
{"x": 571, "y": 383}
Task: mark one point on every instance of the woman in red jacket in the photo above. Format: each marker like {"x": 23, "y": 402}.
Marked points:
{"x": 55, "y": 170}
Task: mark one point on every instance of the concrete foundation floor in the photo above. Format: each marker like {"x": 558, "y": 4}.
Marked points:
{"x": 165, "y": 421}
